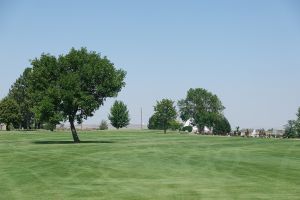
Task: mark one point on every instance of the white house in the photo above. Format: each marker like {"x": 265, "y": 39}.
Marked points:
{"x": 190, "y": 122}
{"x": 2, "y": 127}
{"x": 254, "y": 133}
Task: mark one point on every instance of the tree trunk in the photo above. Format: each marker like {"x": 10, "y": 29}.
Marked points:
{"x": 8, "y": 127}
{"x": 27, "y": 124}
{"x": 165, "y": 129}
{"x": 73, "y": 130}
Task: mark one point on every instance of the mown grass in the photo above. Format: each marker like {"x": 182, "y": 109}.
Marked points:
{"x": 146, "y": 165}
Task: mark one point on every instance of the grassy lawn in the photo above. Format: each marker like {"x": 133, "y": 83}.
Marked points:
{"x": 147, "y": 165}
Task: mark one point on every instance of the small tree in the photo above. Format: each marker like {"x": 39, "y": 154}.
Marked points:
{"x": 9, "y": 112}
{"x": 119, "y": 115}
{"x": 165, "y": 113}
{"x": 103, "y": 125}
{"x": 292, "y": 129}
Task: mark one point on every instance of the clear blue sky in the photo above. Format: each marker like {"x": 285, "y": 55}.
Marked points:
{"x": 246, "y": 52}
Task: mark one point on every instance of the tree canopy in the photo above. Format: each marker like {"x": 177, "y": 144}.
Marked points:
{"x": 221, "y": 126}
{"x": 9, "y": 112}
{"x": 154, "y": 123}
{"x": 103, "y": 125}
{"x": 164, "y": 114}
{"x": 72, "y": 86}
{"x": 292, "y": 128}
{"x": 119, "y": 115}
{"x": 20, "y": 94}
{"x": 203, "y": 107}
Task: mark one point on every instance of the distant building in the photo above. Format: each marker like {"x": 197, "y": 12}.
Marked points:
{"x": 262, "y": 133}
{"x": 254, "y": 133}
{"x": 190, "y": 122}
{"x": 277, "y": 133}
{"x": 2, "y": 127}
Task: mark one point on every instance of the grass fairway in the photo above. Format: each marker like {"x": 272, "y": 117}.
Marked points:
{"x": 147, "y": 165}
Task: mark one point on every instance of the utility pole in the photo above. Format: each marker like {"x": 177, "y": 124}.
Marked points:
{"x": 141, "y": 118}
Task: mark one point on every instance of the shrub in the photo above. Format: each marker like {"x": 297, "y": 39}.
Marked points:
{"x": 119, "y": 115}
{"x": 292, "y": 129}
{"x": 175, "y": 125}
{"x": 103, "y": 125}
{"x": 187, "y": 128}
{"x": 49, "y": 126}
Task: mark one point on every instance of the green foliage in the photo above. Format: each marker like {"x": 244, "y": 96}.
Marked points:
{"x": 9, "y": 112}
{"x": 46, "y": 112}
{"x": 72, "y": 86}
{"x": 187, "y": 128}
{"x": 20, "y": 94}
{"x": 49, "y": 126}
{"x": 154, "y": 123}
{"x": 202, "y": 106}
{"x": 175, "y": 125}
{"x": 103, "y": 125}
{"x": 292, "y": 129}
{"x": 197, "y": 101}
{"x": 119, "y": 115}
{"x": 221, "y": 126}
{"x": 164, "y": 114}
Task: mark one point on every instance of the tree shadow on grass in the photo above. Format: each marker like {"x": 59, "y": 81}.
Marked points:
{"x": 71, "y": 142}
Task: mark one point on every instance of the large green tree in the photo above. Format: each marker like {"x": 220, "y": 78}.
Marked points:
{"x": 9, "y": 112}
{"x": 72, "y": 86}
{"x": 119, "y": 115}
{"x": 164, "y": 114}
{"x": 202, "y": 106}
{"x": 20, "y": 94}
